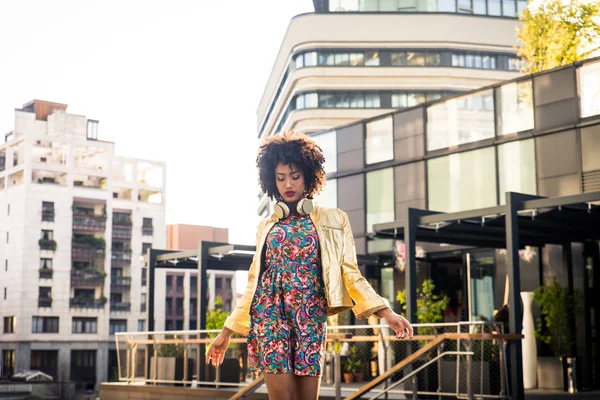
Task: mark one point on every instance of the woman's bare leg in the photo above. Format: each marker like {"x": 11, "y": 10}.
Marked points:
{"x": 280, "y": 386}
{"x": 306, "y": 387}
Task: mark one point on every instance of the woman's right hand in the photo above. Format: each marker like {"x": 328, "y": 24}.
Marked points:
{"x": 216, "y": 351}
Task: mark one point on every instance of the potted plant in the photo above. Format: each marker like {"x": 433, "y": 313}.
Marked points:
{"x": 352, "y": 366}
{"x": 557, "y": 308}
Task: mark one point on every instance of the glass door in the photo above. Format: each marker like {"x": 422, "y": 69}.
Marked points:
{"x": 481, "y": 269}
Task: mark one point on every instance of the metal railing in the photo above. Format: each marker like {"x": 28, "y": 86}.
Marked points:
{"x": 465, "y": 360}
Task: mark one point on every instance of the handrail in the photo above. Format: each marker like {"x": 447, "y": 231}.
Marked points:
{"x": 381, "y": 378}
{"x": 249, "y": 389}
{"x": 414, "y": 372}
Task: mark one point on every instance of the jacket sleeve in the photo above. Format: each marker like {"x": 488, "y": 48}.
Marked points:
{"x": 239, "y": 320}
{"x": 366, "y": 300}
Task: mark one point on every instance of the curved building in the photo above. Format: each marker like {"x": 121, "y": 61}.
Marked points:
{"x": 357, "y": 59}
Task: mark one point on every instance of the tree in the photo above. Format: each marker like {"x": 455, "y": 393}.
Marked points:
{"x": 558, "y": 32}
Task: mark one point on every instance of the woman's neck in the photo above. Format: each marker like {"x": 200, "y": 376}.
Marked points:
{"x": 292, "y": 207}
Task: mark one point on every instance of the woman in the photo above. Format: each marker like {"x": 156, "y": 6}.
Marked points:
{"x": 304, "y": 269}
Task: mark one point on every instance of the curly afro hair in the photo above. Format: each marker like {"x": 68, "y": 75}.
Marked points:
{"x": 290, "y": 148}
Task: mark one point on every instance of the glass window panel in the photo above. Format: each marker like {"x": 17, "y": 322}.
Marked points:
{"x": 433, "y": 59}
{"x": 433, "y": 96}
{"x": 414, "y": 99}
{"x": 368, "y": 5}
{"x": 372, "y": 100}
{"x": 299, "y": 61}
{"x": 450, "y": 124}
{"x": 521, "y": 5}
{"x": 328, "y": 196}
{"x": 509, "y": 8}
{"x": 447, "y": 5}
{"x": 344, "y": 5}
{"x": 516, "y": 107}
{"x": 494, "y": 7}
{"x": 388, "y": 5}
{"x": 398, "y": 59}
{"x": 462, "y": 181}
{"x": 380, "y": 140}
{"x": 311, "y": 100}
{"x": 399, "y": 100}
{"x": 590, "y": 146}
{"x": 589, "y": 88}
{"x": 357, "y": 59}
{"x": 516, "y": 161}
{"x": 326, "y": 100}
{"x": 328, "y": 143}
{"x": 380, "y": 246}
{"x": 310, "y": 59}
{"x": 479, "y": 7}
{"x": 326, "y": 58}
{"x": 342, "y": 59}
{"x": 380, "y": 197}
{"x": 470, "y": 61}
{"x": 478, "y": 61}
{"x": 357, "y": 100}
{"x": 458, "y": 60}
{"x": 300, "y": 102}
{"x": 342, "y": 100}
{"x": 465, "y": 6}
{"x": 415, "y": 59}
{"x": 372, "y": 59}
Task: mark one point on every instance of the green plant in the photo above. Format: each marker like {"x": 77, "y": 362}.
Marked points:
{"x": 171, "y": 349}
{"x": 47, "y": 244}
{"x": 215, "y": 319}
{"x": 97, "y": 243}
{"x": 352, "y": 364}
{"x": 430, "y": 306}
{"x": 557, "y": 307}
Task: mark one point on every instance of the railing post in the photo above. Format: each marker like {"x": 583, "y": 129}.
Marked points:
{"x": 469, "y": 381}
{"x": 337, "y": 375}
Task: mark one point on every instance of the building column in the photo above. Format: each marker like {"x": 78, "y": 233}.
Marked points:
{"x": 513, "y": 201}
{"x": 411, "y": 222}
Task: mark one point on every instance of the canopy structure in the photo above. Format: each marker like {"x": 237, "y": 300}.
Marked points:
{"x": 523, "y": 220}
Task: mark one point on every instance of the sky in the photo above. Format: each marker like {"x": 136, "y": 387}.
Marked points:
{"x": 175, "y": 81}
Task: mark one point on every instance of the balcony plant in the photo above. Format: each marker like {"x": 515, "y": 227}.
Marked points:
{"x": 353, "y": 366}
{"x": 47, "y": 244}
{"x": 557, "y": 308}
{"x": 97, "y": 243}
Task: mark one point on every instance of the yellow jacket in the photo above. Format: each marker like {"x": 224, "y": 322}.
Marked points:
{"x": 341, "y": 276}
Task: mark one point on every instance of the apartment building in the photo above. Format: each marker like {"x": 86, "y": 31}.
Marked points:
{"x": 75, "y": 220}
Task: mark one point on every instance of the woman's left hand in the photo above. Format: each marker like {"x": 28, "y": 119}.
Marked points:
{"x": 398, "y": 323}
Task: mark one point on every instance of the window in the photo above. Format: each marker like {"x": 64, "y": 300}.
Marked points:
{"x": 7, "y": 237}
{"x": 8, "y": 209}
{"x": 193, "y": 285}
{"x": 193, "y": 307}
{"x": 47, "y": 235}
{"x": 509, "y": 8}
{"x": 494, "y": 7}
{"x": 328, "y": 143}
{"x": 462, "y": 181}
{"x": 10, "y": 323}
{"x": 46, "y": 263}
{"x": 143, "y": 302}
{"x": 169, "y": 283}
{"x": 589, "y": 89}
{"x": 590, "y": 148}
{"x": 147, "y": 226}
{"x": 328, "y": 195}
{"x": 44, "y": 325}
{"x": 5, "y": 265}
{"x": 141, "y": 325}
{"x": 47, "y": 211}
{"x": 179, "y": 283}
{"x": 169, "y": 306}
{"x": 380, "y": 140}
{"x": 516, "y": 161}
{"x": 144, "y": 276}
{"x": 516, "y": 107}
{"x": 515, "y": 64}
{"x": 372, "y": 59}
{"x": 460, "y": 120}
{"x": 92, "y": 129}
{"x": 414, "y": 59}
{"x": 45, "y": 361}
{"x": 117, "y": 325}
{"x": 45, "y": 296}
{"x": 5, "y": 293}
{"x": 85, "y": 325}
{"x": 380, "y": 197}
{"x": 179, "y": 306}
{"x": 8, "y": 363}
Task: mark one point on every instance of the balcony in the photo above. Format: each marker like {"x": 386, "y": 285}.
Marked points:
{"x": 89, "y": 223}
{"x": 87, "y": 277}
{"x": 120, "y": 232}
{"x": 120, "y": 307}
{"x": 86, "y": 251}
{"x": 47, "y": 244}
{"x": 120, "y": 282}
{"x": 46, "y": 273}
{"x": 44, "y": 302}
{"x": 120, "y": 258}
{"x": 84, "y": 302}
{"x": 124, "y": 222}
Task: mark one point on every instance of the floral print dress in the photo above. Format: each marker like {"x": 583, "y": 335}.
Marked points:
{"x": 289, "y": 311}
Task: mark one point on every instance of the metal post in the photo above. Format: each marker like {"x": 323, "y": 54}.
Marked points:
{"x": 469, "y": 365}
{"x": 410, "y": 238}
{"x": 337, "y": 376}
{"x": 514, "y": 302}
{"x": 567, "y": 251}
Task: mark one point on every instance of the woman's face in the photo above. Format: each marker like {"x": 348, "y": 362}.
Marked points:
{"x": 290, "y": 182}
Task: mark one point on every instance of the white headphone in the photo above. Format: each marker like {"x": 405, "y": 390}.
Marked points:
{"x": 304, "y": 207}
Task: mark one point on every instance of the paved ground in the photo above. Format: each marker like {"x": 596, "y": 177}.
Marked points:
{"x": 545, "y": 394}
